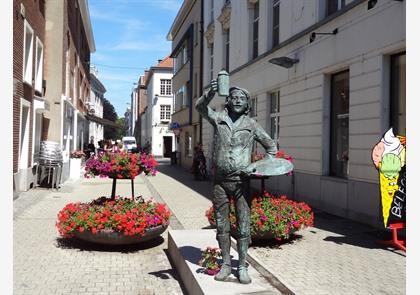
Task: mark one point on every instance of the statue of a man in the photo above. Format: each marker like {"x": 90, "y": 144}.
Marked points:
{"x": 234, "y": 135}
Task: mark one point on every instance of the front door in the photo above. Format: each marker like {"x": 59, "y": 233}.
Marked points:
{"x": 167, "y": 146}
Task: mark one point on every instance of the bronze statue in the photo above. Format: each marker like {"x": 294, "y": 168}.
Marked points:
{"x": 234, "y": 136}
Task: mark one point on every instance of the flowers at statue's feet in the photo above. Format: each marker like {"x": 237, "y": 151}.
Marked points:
{"x": 209, "y": 260}
{"x": 130, "y": 217}
{"x": 120, "y": 165}
{"x": 272, "y": 214}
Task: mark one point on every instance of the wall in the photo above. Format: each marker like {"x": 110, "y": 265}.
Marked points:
{"x": 305, "y": 95}
{"x": 24, "y": 176}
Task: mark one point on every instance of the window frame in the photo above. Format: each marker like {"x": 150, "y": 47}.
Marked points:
{"x": 165, "y": 112}
{"x": 39, "y": 71}
{"x": 254, "y": 29}
{"x": 275, "y": 28}
{"x": 167, "y": 86}
{"x": 274, "y": 114}
{"x": 333, "y": 170}
{"x": 394, "y": 103}
{"x": 338, "y": 5}
{"x": 211, "y": 61}
{"x": 27, "y": 71}
{"x": 226, "y": 35}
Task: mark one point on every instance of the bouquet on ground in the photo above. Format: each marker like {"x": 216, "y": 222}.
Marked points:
{"x": 127, "y": 216}
{"x": 272, "y": 214}
{"x": 120, "y": 165}
{"x": 77, "y": 154}
{"x": 209, "y": 260}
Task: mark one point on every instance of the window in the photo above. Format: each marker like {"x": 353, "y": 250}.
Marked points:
{"x": 253, "y": 112}
{"x": 254, "y": 25}
{"x": 165, "y": 112}
{"x": 72, "y": 82}
{"x": 339, "y": 129}
{"x": 186, "y": 94}
{"x": 28, "y": 53}
{"x": 165, "y": 87}
{"x": 211, "y": 62}
{"x": 80, "y": 96}
{"x": 24, "y": 134}
{"x": 197, "y": 30}
{"x": 275, "y": 115}
{"x": 188, "y": 144}
{"x": 227, "y": 41}
{"x": 334, "y": 6}
{"x": 39, "y": 65}
{"x": 179, "y": 98}
{"x": 276, "y": 21}
{"x": 397, "y": 97}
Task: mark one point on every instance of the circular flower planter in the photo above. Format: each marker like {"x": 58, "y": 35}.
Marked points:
{"x": 272, "y": 217}
{"x": 118, "y": 238}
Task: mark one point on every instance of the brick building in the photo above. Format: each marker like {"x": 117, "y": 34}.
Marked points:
{"x": 28, "y": 88}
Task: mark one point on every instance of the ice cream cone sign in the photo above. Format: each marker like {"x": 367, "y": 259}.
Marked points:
{"x": 388, "y": 156}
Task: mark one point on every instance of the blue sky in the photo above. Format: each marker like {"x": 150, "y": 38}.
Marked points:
{"x": 130, "y": 36}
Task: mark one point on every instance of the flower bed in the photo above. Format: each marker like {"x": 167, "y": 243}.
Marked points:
{"x": 121, "y": 165}
{"x": 272, "y": 216}
{"x": 102, "y": 216}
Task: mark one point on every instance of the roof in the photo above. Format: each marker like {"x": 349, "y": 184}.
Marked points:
{"x": 84, "y": 11}
{"x": 165, "y": 64}
{"x": 179, "y": 19}
{"x": 96, "y": 84}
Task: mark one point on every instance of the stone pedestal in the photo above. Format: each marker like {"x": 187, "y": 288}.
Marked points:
{"x": 184, "y": 247}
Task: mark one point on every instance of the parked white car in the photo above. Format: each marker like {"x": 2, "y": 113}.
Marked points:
{"x": 129, "y": 144}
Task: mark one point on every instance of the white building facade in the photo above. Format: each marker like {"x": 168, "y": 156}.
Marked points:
{"x": 96, "y": 109}
{"x": 159, "y": 109}
{"x": 344, "y": 87}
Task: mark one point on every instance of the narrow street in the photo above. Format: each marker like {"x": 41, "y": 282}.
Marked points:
{"x": 335, "y": 254}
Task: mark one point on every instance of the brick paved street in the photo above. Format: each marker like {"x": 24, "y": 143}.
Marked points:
{"x": 46, "y": 264}
{"x": 335, "y": 256}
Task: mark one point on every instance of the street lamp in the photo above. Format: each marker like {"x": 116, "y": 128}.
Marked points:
{"x": 284, "y": 61}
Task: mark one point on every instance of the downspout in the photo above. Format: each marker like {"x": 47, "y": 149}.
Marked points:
{"x": 190, "y": 48}
{"x": 200, "y": 91}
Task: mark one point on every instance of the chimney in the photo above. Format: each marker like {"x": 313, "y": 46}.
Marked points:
{"x": 159, "y": 61}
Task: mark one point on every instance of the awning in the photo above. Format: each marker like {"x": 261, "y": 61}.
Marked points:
{"x": 102, "y": 121}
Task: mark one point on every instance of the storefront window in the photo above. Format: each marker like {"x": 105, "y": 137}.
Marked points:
{"x": 397, "y": 112}
{"x": 339, "y": 134}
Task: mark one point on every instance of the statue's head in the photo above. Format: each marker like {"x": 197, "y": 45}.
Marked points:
{"x": 238, "y": 100}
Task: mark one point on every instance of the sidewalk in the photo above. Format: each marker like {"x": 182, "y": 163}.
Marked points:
{"x": 336, "y": 256}
{"x": 43, "y": 263}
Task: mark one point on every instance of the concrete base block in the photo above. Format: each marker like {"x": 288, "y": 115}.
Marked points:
{"x": 184, "y": 247}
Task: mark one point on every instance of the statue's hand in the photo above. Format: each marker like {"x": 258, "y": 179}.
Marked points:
{"x": 212, "y": 89}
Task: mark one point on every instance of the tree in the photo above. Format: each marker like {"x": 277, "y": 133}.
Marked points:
{"x": 109, "y": 113}
{"x": 122, "y": 131}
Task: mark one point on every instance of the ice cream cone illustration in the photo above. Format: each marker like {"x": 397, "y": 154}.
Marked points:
{"x": 388, "y": 157}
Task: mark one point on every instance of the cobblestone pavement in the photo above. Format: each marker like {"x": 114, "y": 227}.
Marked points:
{"x": 48, "y": 265}
{"x": 336, "y": 256}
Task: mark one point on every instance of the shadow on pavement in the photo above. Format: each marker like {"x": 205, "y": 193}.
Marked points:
{"x": 74, "y": 243}
{"x": 203, "y": 187}
{"x": 165, "y": 274}
{"x": 352, "y": 232}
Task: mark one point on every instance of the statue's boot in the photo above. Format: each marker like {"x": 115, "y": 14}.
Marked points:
{"x": 243, "y": 275}
{"x": 224, "y": 245}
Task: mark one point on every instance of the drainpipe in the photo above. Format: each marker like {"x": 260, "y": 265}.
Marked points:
{"x": 200, "y": 91}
